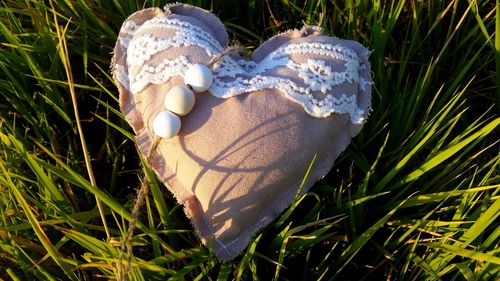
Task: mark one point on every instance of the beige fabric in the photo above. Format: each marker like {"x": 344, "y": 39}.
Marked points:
{"x": 237, "y": 163}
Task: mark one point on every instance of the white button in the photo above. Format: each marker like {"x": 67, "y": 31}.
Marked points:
{"x": 166, "y": 125}
{"x": 180, "y": 100}
{"x": 199, "y": 77}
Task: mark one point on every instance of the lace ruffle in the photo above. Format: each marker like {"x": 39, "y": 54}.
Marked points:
{"x": 308, "y": 83}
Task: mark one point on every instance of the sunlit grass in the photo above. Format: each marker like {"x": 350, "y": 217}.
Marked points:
{"x": 414, "y": 197}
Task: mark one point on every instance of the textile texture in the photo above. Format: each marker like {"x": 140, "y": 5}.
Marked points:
{"x": 242, "y": 153}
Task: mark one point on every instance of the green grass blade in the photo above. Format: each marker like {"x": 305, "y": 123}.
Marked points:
{"x": 51, "y": 249}
{"x": 450, "y": 151}
{"x": 460, "y": 251}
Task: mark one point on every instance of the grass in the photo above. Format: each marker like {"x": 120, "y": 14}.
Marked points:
{"x": 414, "y": 197}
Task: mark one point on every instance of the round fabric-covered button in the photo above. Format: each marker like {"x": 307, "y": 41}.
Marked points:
{"x": 179, "y": 100}
{"x": 199, "y": 77}
{"x": 166, "y": 125}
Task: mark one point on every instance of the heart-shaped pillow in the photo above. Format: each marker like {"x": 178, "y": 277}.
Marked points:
{"x": 243, "y": 151}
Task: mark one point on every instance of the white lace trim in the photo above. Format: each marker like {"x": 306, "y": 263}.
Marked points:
{"x": 317, "y": 108}
{"x": 144, "y": 46}
{"x": 234, "y": 77}
{"x": 158, "y": 74}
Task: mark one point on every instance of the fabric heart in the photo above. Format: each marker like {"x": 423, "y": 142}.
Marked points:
{"x": 242, "y": 153}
